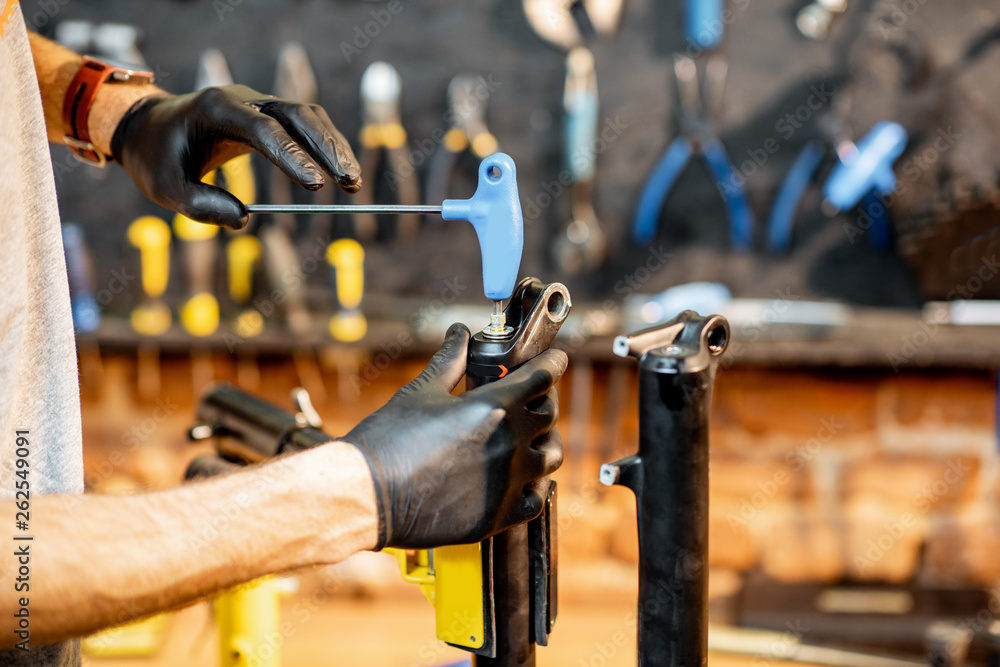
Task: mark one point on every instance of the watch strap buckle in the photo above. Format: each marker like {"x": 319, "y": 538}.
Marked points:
{"x": 85, "y": 152}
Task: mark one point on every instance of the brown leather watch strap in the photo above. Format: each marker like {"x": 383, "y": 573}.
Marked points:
{"x": 79, "y": 99}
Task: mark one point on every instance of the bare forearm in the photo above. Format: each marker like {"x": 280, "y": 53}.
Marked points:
{"x": 56, "y": 66}
{"x": 98, "y": 561}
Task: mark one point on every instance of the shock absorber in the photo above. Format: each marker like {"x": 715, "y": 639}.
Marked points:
{"x": 519, "y": 565}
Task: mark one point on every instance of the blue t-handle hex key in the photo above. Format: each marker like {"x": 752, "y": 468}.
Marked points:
{"x": 494, "y": 211}
{"x": 697, "y": 136}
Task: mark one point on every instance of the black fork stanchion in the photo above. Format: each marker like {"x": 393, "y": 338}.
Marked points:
{"x": 669, "y": 476}
{"x": 520, "y": 562}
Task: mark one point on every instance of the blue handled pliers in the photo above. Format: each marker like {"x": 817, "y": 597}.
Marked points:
{"x": 697, "y": 136}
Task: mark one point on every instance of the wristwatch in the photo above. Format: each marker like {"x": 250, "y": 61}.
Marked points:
{"x": 93, "y": 74}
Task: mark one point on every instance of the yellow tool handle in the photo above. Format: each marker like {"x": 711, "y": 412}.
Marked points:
{"x": 151, "y": 236}
{"x": 347, "y": 256}
{"x": 242, "y": 255}
{"x": 200, "y": 315}
{"x": 389, "y": 135}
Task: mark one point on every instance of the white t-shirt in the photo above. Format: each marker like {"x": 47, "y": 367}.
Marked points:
{"x": 39, "y": 385}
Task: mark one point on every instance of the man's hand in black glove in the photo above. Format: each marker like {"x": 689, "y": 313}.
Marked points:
{"x": 168, "y": 143}
{"x": 458, "y": 469}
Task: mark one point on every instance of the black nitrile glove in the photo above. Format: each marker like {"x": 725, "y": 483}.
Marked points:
{"x": 458, "y": 469}
{"x": 168, "y": 143}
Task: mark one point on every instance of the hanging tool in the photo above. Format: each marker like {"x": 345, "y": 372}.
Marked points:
{"x": 243, "y": 253}
{"x": 348, "y": 323}
{"x": 383, "y": 133}
{"x": 703, "y": 23}
{"x": 242, "y": 257}
{"x": 347, "y": 274}
{"x": 294, "y": 80}
{"x": 814, "y": 20}
{"x": 200, "y": 313}
{"x": 786, "y": 203}
{"x": 864, "y": 175}
{"x": 669, "y": 476}
{"x": 582, "y": 245}
{"x": 697, "y": 136}
{"x": 567, "y": 23}
{"x": 468, "y": 97}
{"x": 151, "y": 236}
{"x": 494, "y": 211}
{"x": 199, "y": 242}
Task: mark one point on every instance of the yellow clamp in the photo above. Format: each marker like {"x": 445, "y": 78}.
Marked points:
{"x": 451, "y": 578}
{"x": 248, "y": 620}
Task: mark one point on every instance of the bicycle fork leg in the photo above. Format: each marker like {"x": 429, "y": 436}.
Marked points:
{"x": 669, "y": 475}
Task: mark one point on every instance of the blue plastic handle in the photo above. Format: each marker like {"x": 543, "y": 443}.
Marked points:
{"x": 83, "y": 307}
{"x": 655, "y": 192}
{"x": 779, "y": 227}
{"x": 870, "y": 168}
{"x": 741, "y": 220}
{"x": 495, "y": 212}
{"x": 581, "y": 130}
{"x": 704, "y": 25}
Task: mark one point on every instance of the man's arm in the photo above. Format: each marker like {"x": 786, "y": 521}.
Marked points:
{"x": 56, "y": 66}
{"x": 97, "y": 561}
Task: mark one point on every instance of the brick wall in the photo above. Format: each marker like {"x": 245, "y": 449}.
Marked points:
{"x": 827, "y": 476}
{"x": 815, "y": 476}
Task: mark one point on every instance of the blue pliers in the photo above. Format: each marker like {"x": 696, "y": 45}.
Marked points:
{"x": 861, "y": 176}
{"x": 696, "y": 136}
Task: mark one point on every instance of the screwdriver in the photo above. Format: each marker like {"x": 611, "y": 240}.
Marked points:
{"x": 494, "y": 211}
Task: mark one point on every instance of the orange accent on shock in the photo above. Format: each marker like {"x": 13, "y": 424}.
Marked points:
{"x": 503, "y": 370}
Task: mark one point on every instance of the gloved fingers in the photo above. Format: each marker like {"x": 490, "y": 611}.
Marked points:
{"x": 312, "y": 128}
{"x": 538, "y": 417}
{"x": 445, "y": 369}
{"x": 267, "y": 136}
{"x": 533, "y": 501}
{"x": 547, "y": 453}
{"x": 208, "y": 203}
{"x": 533, "y": 379}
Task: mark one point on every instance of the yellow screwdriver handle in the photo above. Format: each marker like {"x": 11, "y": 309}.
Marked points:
{"x": 151, "y": 236}
{"x": 242, "y": 255}
{"x": 347, "y": 256}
